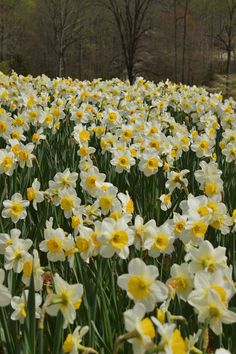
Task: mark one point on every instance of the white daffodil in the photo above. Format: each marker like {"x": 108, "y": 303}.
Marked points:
{"x": 150, "y": 163}
{"x": 77, "y": 219}
{"x": 7, "y": 240}
{"x": 81, "y": 134}
{"x": 72, "y": 343}
{"x": 112, "y": 118}
{"x": 67, "y": 299}
{"x": 70, "y": 249}
{"x": 206, "y": 257}
{"x": 203, "y": 146}
{"x": 34, "y": 194}
{"x": 141, "y": 284}
{"x": 107, "y": 200}
{"x": 15, "y": 208}
{"x": 209, "y": 178}
{"x": 5, "y": 295}
{"x": 165, "y": 202}
{"x": 85, "y": 151}
{"x": 38, "y": 136}
{"x": 179, "y": 223}
{"x": 66, "y": 179}
{"x": 159, "y": 240}
{"x": 25, "y": 156}
{"x": 213, "y": 310}
{"x": 220, "y": 219}
{"x": 141, "y": 230}
{"x": 127, "y": 203}
{"x": 122, "y": 160}
{"x": 197, "y": 206}
{"x": 89, "y": 180}
{"x": 222, "y": 351}
{"x": 69, "y": 201}
{"x": 116, "y": 237}
{"x": 177, "y": 180}
{"x": 171, "y": 340}
{"x": 7, "y": 162}
{"x": 84, "y": 243}
{"x": 32, "y": 264}
{"x": 19, "y": 305}
{"x": 141, "y": 328}
{"x": 181, "y": 280}
{"x": 196, "y": 228}
{"x": 217, "y": 281}
{"x": 53, "y": 244}
{"x": 16, "y": 253}
{"x": 230, "y": 152}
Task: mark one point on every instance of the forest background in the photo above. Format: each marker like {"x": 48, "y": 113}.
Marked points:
{"x": 188, "y": 41}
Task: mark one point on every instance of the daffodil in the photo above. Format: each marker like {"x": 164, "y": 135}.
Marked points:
{"x": 66, "y": 179}
{"x": 141, "y": 284}
{"x": 25, "y": 156}
{"x": 165, "y": 201}
{"x": 181, "y": 280}
{"x": 7, "y": 240}
{"x": 206, "y": 257}
{"x": 16, "y": 253}
{"x": 85, "y": 243}
{"x": 34, "y": 194}
{"x": 106, "y": 199}
{"x": 19, "y": 305}
{"x": 15, "y": 208}
{"x": 213, "y": 310}
{"x": 69, "y": 201}
{"x": 159, "y": 240}
{"x": 67, "y": 299}
{"x": 203, "y": 146}
{"x": 171, "y": 339}
{"x": 72, "y": 343}
{"x": 53, "y": 244}
{"x": 141, "y": 328}
{"x": 89, "y": 180}
{"x": 142, "y": 230}
{"x": 7, "y": 162}
{"x": 122, "y": 160}
{"x": 116, "y": 237}
{"x": 150, "y": 163}
{"x": 31, "y": 266}
{"x": 177, "y": 180}
{"x": 5, "y": 295}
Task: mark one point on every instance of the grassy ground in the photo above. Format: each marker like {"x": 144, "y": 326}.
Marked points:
{"x": 218, "y": 84}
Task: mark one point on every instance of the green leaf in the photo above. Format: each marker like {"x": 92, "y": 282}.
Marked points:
{"x": 30, "y": 321}
{"x": 57, "y": 341}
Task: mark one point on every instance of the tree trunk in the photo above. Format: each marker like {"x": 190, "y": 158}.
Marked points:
{"x": 184, "y": 40}
{"x": 1, "y": 33}
{"x": 61, "y": 69}
{"x": 130, "y": 72}
{"x": 80, "y": 60}
{"x": 227, "y": 82}
{"x": 175, "y": 43}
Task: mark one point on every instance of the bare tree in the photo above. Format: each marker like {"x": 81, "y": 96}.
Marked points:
{"x": 225, "y": 38}
{"x": 9, "y": 24}
{"x": 186, "y": 7}
{"x": 175, "y": 41}
{"x": 65, "y": 20}
{"x": 130, "y": 16}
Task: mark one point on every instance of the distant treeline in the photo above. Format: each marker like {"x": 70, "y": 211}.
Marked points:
{"x": 183, "y": 40}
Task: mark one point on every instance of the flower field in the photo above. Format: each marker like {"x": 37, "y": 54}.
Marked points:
{"x": 118, "y": 217}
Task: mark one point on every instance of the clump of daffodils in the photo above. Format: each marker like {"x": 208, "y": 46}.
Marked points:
{"x": 118, "y": 216}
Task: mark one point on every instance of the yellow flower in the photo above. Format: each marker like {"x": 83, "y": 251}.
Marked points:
{"x": 177, "y": 343}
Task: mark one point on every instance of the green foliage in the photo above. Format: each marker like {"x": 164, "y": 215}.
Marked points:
{"x": 19, "y": 65}
{"x": 5, "y": 67}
